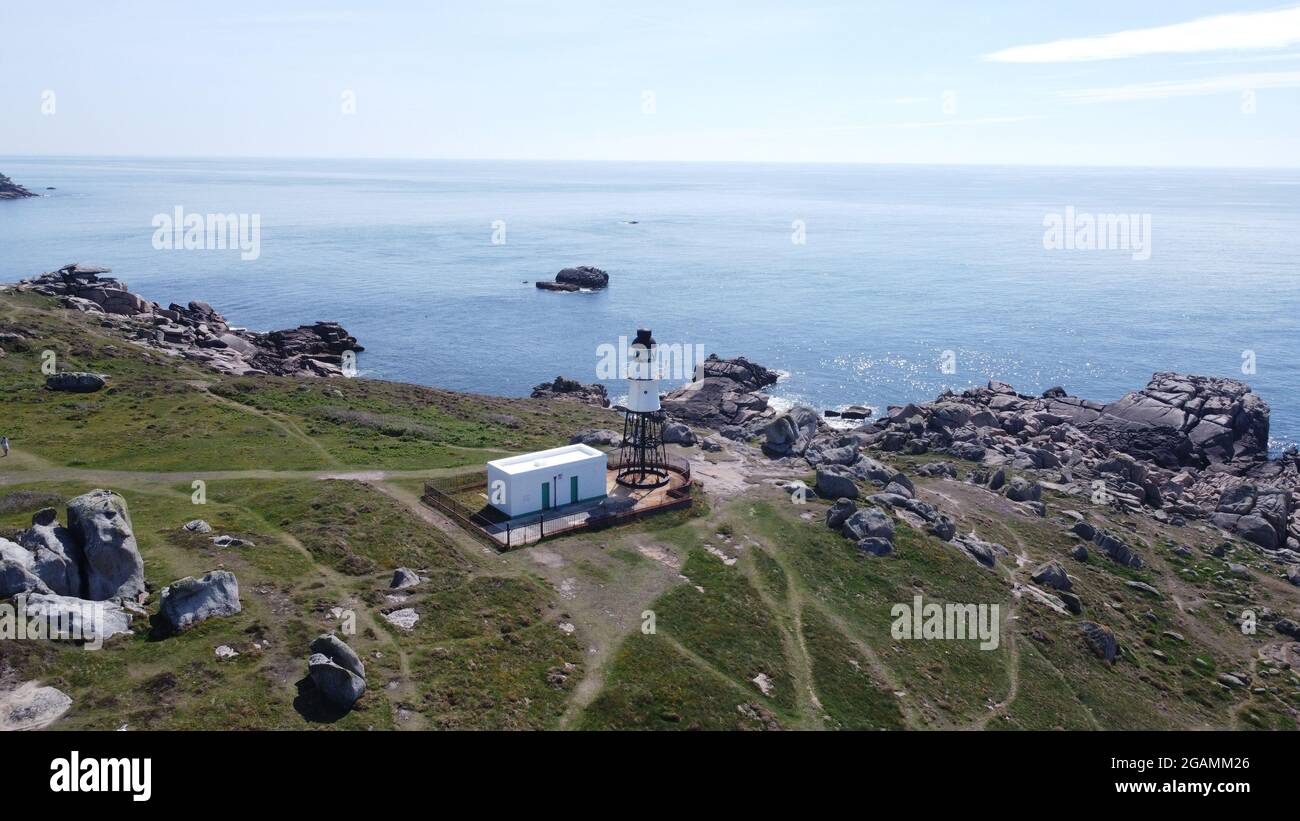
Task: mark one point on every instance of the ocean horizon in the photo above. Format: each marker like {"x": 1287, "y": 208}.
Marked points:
{"x": 862, "y": 284}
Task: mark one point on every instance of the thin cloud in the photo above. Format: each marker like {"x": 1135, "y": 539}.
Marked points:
{"x": 1018, "y": 118}
{"x": 1212, "y": 85}
{"x": 1248, "y": 30}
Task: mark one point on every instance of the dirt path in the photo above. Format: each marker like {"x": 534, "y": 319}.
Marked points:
{"x": 285, "y": 426}
{"x": 790, "y": 619}
{"x": 366, "y": 619}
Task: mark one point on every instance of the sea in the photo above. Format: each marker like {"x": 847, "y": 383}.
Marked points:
{"x": 861, "y": 284}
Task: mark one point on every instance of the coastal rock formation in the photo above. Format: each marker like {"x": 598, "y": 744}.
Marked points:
{"x": 675, "y": 433}
{"x": 792, "y": 432}
{"x": 583, "y": 277}
{"x": 1183, "y": 447}
{"x": 195, "y": 331}
{"x": 79, "y": 619}
{"x": 188, "y": 601}
{"x": 597, "y": 438}
{"x": 17, "y": 573}
{"x": 573, "y": 391}
{"x": 86, "y": 578}
{"x": 336, "y": 670}
{"x": 726, "y": 394}
{"x": 101, "y": 525}
{"x": 56, "y": 556}
{"x": 10, "y": 190}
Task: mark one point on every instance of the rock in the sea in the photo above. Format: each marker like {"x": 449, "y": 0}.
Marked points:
{"x": 574, "y": 391}
{"x": 30, "y": 706}
{"x": 112, "y": 567}
{"x": 403, "y": 578}
{"x": 583, "y": 276}
{"x": 544, "y": 285}
{"x": 337, "y": 671}
{"x": 10, "y": 190}
{"x": 75, "y": 382}
{"x": 189, "y": 601}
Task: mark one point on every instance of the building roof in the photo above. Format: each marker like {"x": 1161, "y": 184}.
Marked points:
{"x": 546, "y": 459}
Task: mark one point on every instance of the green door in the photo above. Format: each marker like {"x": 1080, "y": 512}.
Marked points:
{"x": 546, "y": 495}
{"x": 573, "y": 488}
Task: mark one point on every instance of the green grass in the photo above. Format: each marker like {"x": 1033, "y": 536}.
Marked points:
{"x": 344, "y": 524}
{"x": 852, "y": 699}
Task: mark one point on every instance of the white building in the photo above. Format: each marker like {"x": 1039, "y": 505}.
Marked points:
{"x": 532, "y": 482}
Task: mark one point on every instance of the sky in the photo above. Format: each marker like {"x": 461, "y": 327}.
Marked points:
{"x": 1048, "y": 82}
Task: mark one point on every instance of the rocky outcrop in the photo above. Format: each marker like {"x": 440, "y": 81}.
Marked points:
{"x": 597, "y": 438}
{"x": 195, "y": 330}
{"x": 583, "y": 277}
{"x": 1171, "y": 450}
{"x": 403, "y": 578}
{"x": 10, "y": 190}
{"x": 726, "y": 395}
{"x": 189, "y": 601}
{"x": 1256, "y": 513}
{"x": 79, "y": 619}
{"x": 573, "y": 391}
{"x": 337, "y": 671}
{"x": 17, "y": 573}
{"x": 31, "y": 706}
{"x": 792, "y": 432}
{"x": 1100, "y": 640}
{"x": 75, "y": 382}
{"x": 57, "y": 557}
{"x": 747, "y": 376}
{"x": 112, "y": 567}
{"x": 675, "y": 433}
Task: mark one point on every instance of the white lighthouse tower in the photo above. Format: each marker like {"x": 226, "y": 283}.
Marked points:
{"x": 642, "y": 462}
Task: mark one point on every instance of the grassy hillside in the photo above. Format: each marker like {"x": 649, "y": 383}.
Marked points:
{"x": 745, "y": 613}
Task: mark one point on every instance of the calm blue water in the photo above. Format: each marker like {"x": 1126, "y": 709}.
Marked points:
{"x": 900, "y": 264}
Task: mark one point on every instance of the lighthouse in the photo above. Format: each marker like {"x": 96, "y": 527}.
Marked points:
{"x": 642, "y": 463}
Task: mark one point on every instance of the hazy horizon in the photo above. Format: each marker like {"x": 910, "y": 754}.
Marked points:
{"x": 1200, "y": 84}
